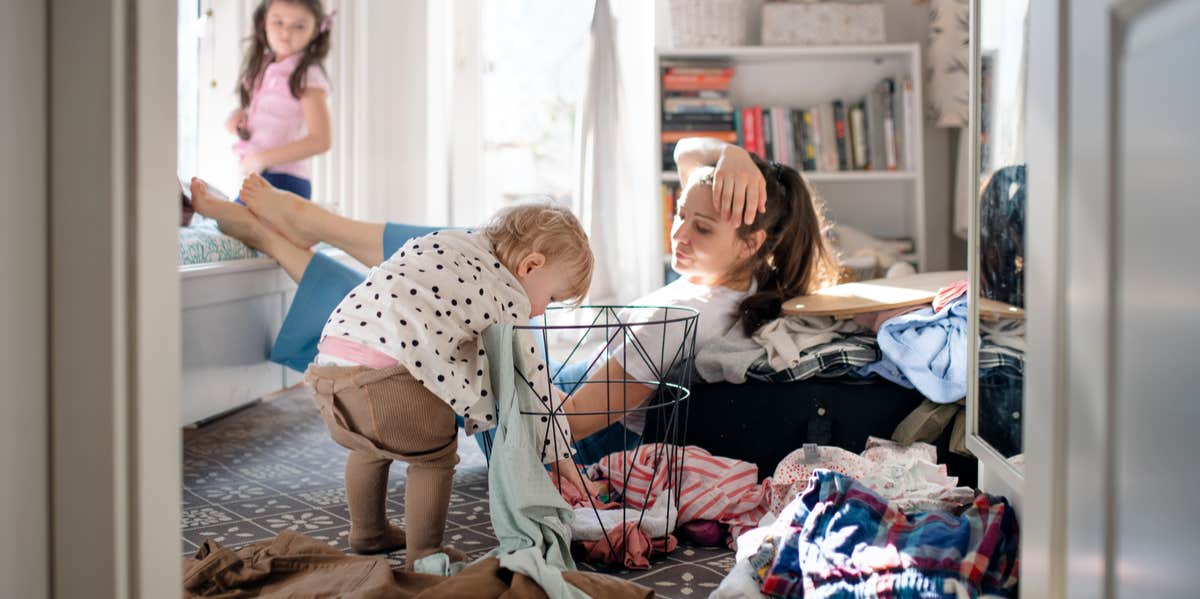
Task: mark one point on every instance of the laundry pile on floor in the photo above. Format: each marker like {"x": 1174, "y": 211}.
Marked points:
{"x": 840, "y": 538}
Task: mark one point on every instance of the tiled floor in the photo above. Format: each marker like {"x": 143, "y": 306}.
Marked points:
{"x": 272, "y": 467}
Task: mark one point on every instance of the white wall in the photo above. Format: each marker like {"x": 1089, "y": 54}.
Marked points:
{"x": 398, "y": 104}
{"x": 24, "y": 405}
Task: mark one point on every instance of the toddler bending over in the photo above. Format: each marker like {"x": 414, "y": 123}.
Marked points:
{"x": 402, "y": 354}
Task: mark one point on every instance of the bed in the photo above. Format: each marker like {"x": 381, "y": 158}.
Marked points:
{"x": 233, "y": 301}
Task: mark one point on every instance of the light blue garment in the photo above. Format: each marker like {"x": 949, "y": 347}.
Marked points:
{"x": 930, "y": 349}
{"x": 529, "y": 516}
{"x": 886, "y": 369}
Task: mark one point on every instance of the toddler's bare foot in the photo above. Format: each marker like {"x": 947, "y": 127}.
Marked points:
{"x": 283, "y": 210}
{"x": 233, "y": 220}
{"x": 392, "y": 538}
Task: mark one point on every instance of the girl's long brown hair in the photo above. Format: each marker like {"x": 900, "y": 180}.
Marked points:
{"x": 258, "y": 57}
{"x": 795, "y": 258}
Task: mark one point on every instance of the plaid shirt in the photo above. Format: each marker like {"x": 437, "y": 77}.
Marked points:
{"x": 992, "y": 355}
{"x": 847, "y": 541}
{"x": 835, "y": 358}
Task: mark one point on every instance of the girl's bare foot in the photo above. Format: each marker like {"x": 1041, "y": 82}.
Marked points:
{"x": 286, "y": 212}
{"x": 233, "y": 220}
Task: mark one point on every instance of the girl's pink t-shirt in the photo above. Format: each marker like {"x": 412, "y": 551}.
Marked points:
{"x": 274, "y": 117}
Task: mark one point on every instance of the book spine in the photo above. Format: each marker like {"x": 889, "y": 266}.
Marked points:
{"x": 830, "y": 125}
{"x": 674, "y": 136}
{"x": 910, "y": 126}
{"x": 691, "y": 118}
{"x": 696, "y": 106}
{"x": 710, "y": 71}
{"x": 768, "y": 135}
{"x": 717, "y": 126}
{"x": 839, "y": 124}
{"x": 859, "y": 136}
{"x": 760, "y": 146}
{"x": 887, "y": 89}
{"x": 750, "y": 138}
{"x": 875, "y": 129}
{"x": 808, "y": 125}
{"x": 787, "y": 136}
{"x": 695, "y": 82}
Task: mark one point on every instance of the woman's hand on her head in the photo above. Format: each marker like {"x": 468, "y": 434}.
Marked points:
{"x": 739, "y": 189}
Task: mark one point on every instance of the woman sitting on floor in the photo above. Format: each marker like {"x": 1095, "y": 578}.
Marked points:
{"x": 747, "y": 235}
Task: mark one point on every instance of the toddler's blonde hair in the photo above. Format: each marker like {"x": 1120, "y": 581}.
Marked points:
{"x": 549, "y": 229}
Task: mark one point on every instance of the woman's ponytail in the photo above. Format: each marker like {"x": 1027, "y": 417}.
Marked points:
{"x": 794, "y": 258}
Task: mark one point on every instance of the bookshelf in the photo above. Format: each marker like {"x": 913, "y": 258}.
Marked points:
{"x": 884, "y": 203}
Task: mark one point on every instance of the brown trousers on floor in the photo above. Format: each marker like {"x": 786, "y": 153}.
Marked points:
{"x": 293, "y": 565}
{"x": 382, "y": 415}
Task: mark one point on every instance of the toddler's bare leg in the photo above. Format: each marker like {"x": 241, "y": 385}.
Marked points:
{"x": 366, "y": 492}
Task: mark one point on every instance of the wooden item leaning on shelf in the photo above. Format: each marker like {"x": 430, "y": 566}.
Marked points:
{"x": 848, "y": 300}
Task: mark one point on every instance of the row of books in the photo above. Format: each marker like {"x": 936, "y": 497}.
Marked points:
{"x": 868, "y": 133}
{"x": 696, "y": 103}
{"x": 872, "y": 132}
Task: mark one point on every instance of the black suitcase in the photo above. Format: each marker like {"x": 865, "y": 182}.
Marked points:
{"x": 762, "y": 422}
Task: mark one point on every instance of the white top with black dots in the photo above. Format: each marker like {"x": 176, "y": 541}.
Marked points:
{"x": 426, "y": 306}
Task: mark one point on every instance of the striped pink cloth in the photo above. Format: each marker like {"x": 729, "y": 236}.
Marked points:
{"x": 712, "y": 488}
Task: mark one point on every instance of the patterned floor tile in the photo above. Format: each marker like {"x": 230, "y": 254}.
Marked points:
{"x": 267, "y": 506}
{"x": 305, "y": 521}
{"x": 324, "y": 497}
{"x": 231, "y": 535}
{"x": 305, "y": 482}
{"x": 338, "y": 537}
{"x": 680, "y": 580}
{"x": 206, "y": 515}
{"x": 469, "y": 540}
{"x": 232, "y": 492}
{"x": 468, "y": 514}
{"x": 191, "y": 500}
{"x": 194, "y": 480}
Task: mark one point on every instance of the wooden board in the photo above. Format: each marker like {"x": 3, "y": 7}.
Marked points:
{"x": 863, "y": 297}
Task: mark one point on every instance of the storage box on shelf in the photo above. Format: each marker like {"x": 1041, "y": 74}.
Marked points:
{"x": 877, "y": 186}
{"x": 821, "y": 23}
{"x": 709, "y": 23}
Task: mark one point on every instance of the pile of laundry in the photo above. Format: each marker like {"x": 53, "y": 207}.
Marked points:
{"x": 921, "y": 347}
{"x": 842, "y": 537}
{"x": 657, "y": 490}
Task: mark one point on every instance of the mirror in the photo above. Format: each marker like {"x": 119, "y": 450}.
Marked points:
{"x": 998, "y": 234}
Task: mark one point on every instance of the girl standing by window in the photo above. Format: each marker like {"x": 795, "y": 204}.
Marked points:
{"x": 284, "y": 119}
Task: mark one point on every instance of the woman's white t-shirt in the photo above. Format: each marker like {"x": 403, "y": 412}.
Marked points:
{"x": 650, "y": 350}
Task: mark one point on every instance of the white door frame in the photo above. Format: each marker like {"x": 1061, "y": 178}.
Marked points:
{"x": 24, "y": 406}
{"x": 114, "y": 300}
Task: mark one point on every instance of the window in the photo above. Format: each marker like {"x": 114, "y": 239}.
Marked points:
{"x": 187, "y": 89}
{"x": 530, "y": 78}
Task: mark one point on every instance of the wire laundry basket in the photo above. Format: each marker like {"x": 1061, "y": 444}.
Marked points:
{"x": 655, "y": 343}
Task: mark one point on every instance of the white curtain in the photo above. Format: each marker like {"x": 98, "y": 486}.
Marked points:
{"x": 616, "y": 197}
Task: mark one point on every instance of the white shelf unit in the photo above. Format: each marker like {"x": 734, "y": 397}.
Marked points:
{"x": 882, "y": 203}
